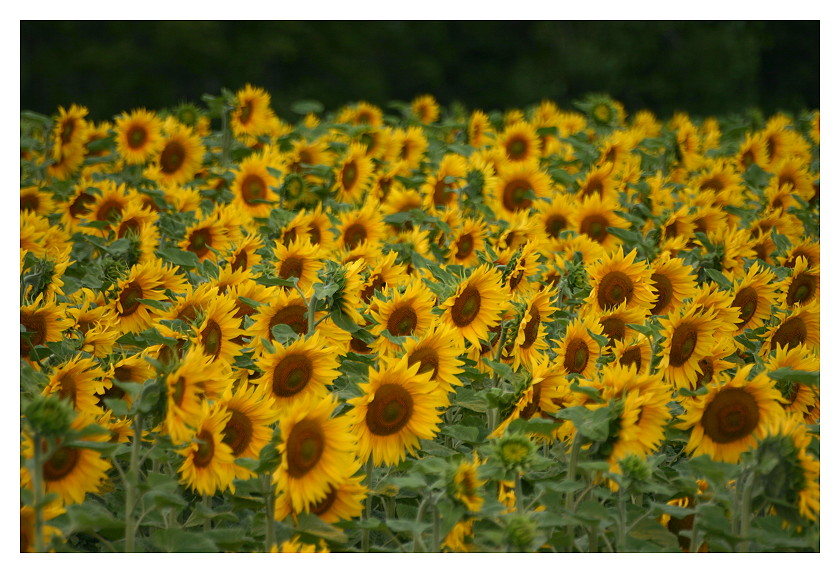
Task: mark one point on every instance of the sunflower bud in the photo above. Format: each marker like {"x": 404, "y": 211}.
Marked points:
{"x": 49, "y": 416}
{"x": 515, "y": 452}
{"x": 521, "y": 531}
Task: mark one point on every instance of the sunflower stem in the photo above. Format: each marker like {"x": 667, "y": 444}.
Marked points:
{"x": 572, "y": 475}
{"x": 418, "y": 542}
{"x": 621, "y": 524}
{"x": 269, "y": 511}
{"x": 368, "y": 503}
{"x": 226, "y": 137}
{"x": 208, "y": 521}
{"x": 746, "y": 513}
{"x": 517, "y": 489}
{"x": 131, "y": 482}
{"x": 37, "y": 490}
{"x": 435, "y": 529}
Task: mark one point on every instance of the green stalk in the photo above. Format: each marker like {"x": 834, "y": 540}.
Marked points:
{"x": 573, "y": 458}
{"x": 416, "y": 536}
{"x": 368, "y": 503}
{"x": 435, "y": 529}
{"x": 38, "y": 487}
{"x": 132, "y": 480}
{"x": 622, "y": 521}
{"x": 269, "y": 512}
{"x": 517, "y": 489}
{"x": 746, "y": 513}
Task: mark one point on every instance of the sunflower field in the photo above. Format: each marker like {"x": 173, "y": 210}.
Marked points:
{"x": 417, "y": 329}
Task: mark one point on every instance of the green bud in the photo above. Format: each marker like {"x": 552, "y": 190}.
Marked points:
{"x": 49, "y": 416}
{"x": 635, "y": 468}
{"x": 515, "y": 451}
{"x": 521, "y": 531}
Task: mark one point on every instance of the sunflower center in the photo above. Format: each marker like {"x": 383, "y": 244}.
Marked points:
{"x": 359, "y": 346}
{"x": 632, "y": 356}
{"x": 199, "y": 241}
{"x": 664, "y": 292}
{"x": 349, "y": 175}
{"x": 29, "y": 202}
{"x": 792, "y": 332}
{"x": 67, "y": 388}
{"x": 706, "y": 372}
{"x": 36, "y": 325}
{"x": 402, "y": 321}
{"x": 517, "y": 149}
{"x": 291, "y": 375}
{"x": 515, "y": 195}
{"x": 747, "y": 301}
{"x": 428, "y": 359}
{"x": 615, "y": 288}
{"x": 211, "y": 338}
{"x": 466, "y": 307}
{"x": 253, "y": 189}
{"x": 245, "y": 113}
{"x": 532, "y": 328}
{"x": 136, "y": 137}
{"x": 291, "y": 267}
{"x": 802, "y": 289}
{"x": 593, "y": 185}
{"x": 304, "y": 447}
{"x": 294, "y": 316}
{"x": 682, "y": 344}
{"x": 325, "y": 504}
{"x": 577, "y": 356}
{"x": 711, "y": 184}
{"x": 237, "y": 433}
{"x": 533, "y": 406}
{"x": 80, "y": 204}
{"x": 354, "y": 234}
{"x": 128, "y": 226}
{"x": 442, "y": 194}
{"x": 67, "y": 129}
{"x": 129, "y": 298}
{"x": 464, "y": 247}
{"x": 515, "y": 279}
{"x": 554, "y": 224}
{"x": 172, "y": 157}
{"x": 733, "y": 414}
{"x": 595, "y": 226}
{"x": 179, "y": 390}
{"x": 61, "y": 464}
{"x": 614, "y": 328}
{"x": 390, "y": 410}
{"x": 206, "y": 448}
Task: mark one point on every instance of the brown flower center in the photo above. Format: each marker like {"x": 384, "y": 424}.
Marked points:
{"x": 614, "y": 329}
{"x": 532, "y": 328}
{"x": 199, "y": 241}
{"x": 211, "y": 338}
{"x": 595, "y": 226}
{"x": 402, "y": 321}
{"x": 466, "y": 307}
{"x": 136, "y": 137}
{"x": 304, "y": 447}
{"x": 36, "y": 325}
{"x": 206, "y": 448}
{"x": 349, "y": 175}
{"x": 791, "y": 332}
{"x": 747, "y": 302}
{"x": 615, "y": 288}
{"x": 294, "y": 316}
{"x": 577, "y": 356}
{"x": 732, "y": 414}
{"x": 254, "y": 189}
{"x": 464, "y": 246}
{"x": 172, "y": 157}
{"x": 632, "y": 356}
{"x": 291, "y": 267}
{"x": 238, "y": 432}
{"x": 682, "y": 344}
{"x": 129, "y": 299}
{"x": 515, "y": 195}
{"x": 802, "y": 289}
{"x": 428, "y": 359}
{"x": 533, "y": 406}
{"x": 664, "y": 293}
{"x": 354, "y": 235}
{"x": 291, "y": 375}
{"x": 554, "y": 224}
{"x": 61, "y": 464}
{"x": 390, "y": 410}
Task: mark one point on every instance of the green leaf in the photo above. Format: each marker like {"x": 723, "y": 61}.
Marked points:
{"x": 343, "y": 321}
{"x": 283, "y": 333}
{"x": 592, "y": 424}
{"x": 93, "y": 517}
{"x": 179, "y": 257}
{"x": 463, "y": 433}
{"x": 407, "y": 526}
{"x": 174, "y": 540}
{"x": 303, "y": 107}
{"x": 157, "y": 304}
{"x": 719, "y": 278}
{"x": 788, "y": 374}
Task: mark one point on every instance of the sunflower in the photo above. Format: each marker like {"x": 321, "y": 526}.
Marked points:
{"x": 555, "y": 216}
{"x": 800, "y": 327}
{"x": 437, "y": 352}
{"x": 530, "y": 342}
{"x": 138, "y": 136}
{"x": 144, "y": 282}
{"x": 36, "y": 200}
{"x": 252, "y": 114}
{"x": 732, "y": 416}
{"x": 633, "y": 352}
{"x": 361, "y": 113}
{"x": 410, "y": 145}
{"x": 798, "y": 398}
{"x": 513, "y": 231}
{"x": 689, "y": 336}
{"x": 180, "y": 157}
{"x": 710, "y": 298}
{"x": 196, "y": 379}
{"x": 134, "y": 369}
{"x": 565, "y": 249}
{"x": 72, "y": 471}
{"x": 520, "y": 143}
{"x": 364, "y": 224}
{"x": 578, "y": 352}
{"x": 217, "y": 333}
{"x": 518, "y": 186}
{"x": 208, "y": 461}
{"x": 541, "y": 396}
{"x": 753, "y": 296}
{"x": 253, "y": 187}
{"x": 303, "y": 369}
{"x": 476, "y": 305}
{"x": 480, "y": 131}
{"x": 342, "y": 502}
{"x": 49, "y": 511}
{"x": 466, "y": 241}
{"x": 594, "y": 216}
{"x": 300, "y": 259}
{"x": 441, "y": 188}
{"x": 44, "y": 321}
{"x": 794, "y": 176}
{"x": 387, "y": 272}
{"x": 317, "y": 450}
{"x": 205, "y": 238}
{"x": 398, "y": 407}
{"x": 715, "y": 362}
{"x": 353, "y": 175}
{"x": 599, "y": 180}
{"x": 615, "y": 320}
{"x": 425, "y": 108}
{"x": 617, "y": 279}
{"x": 406, "y": 313}
{"x": 78, "y": 380}
{"x": 678, "y": 224}
{"x": 673, "y": 283}
{"x": 465, "y": 485}
{"x": 802, "y": 287}
{"x": 70, "y": 130}
{"x": 66, "y": 161}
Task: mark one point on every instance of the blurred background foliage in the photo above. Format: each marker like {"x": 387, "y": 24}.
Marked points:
{"x": 703, "y": 68}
